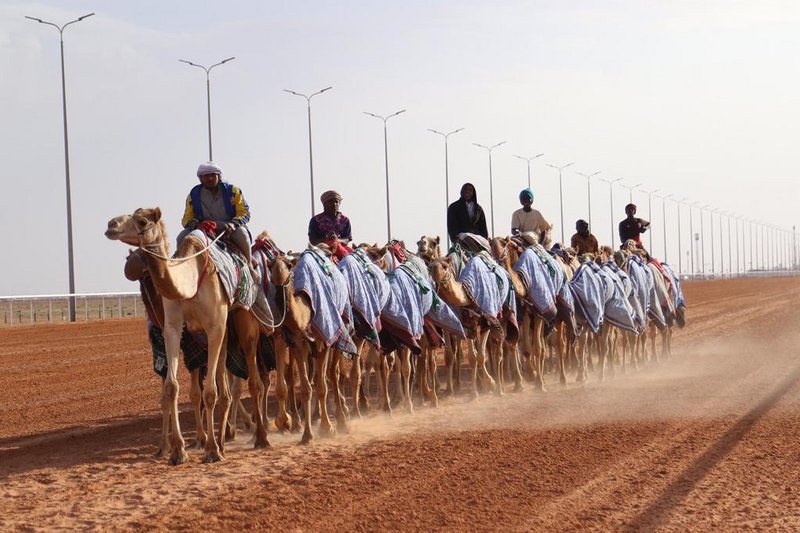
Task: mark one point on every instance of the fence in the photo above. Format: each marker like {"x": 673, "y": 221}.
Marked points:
{"x": 50, "y": 308}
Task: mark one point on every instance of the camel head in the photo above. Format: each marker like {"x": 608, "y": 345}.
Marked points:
{"x": 141, "y": 228}
{"x": 505, "y": 248}
{"x": 281, "y": 270}
{"x": 135, "y": 266}
{"x": 428, "y": 248}
{"x": 620, "y": 256}
{"x": 441, "y": 270}
{"x": 586, "y": 258}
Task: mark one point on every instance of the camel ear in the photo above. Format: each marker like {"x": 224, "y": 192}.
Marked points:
{"x": 437, "y": 239}
{"x": 156, "y": 214}
{"x": 450, "y": 259}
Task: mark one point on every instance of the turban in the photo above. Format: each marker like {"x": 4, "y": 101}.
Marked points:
{"x": 208, "y": 168}
{"x": 526, "y": 193}
{"x": 330, "y": 195}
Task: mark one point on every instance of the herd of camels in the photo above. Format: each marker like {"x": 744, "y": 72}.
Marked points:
{"x": 505, "y": 345}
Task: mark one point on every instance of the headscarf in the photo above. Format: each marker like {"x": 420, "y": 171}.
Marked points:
{"x": 630, "y": 206}
{"x": 208, "y": 168}
{"x": 583, "y": 227}
{"x": 474, "y": 191}
{"x": 526, "y": 193}
{"x": 330, "y": 195}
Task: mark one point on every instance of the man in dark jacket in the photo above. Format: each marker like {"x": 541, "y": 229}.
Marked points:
{"x": 632, "y": 227}
{"x": 465, "y": 215}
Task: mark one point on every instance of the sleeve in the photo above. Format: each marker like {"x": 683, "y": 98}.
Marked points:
{"x": 621, "y": 231}
{"x": 242, "y": 209}
{"x": 188, "y": 213}
{"x": 595, "y": 247}
{"x": 514, "y": 222}
{"x": 545, "y": 224}
{"x": 452, "y": 230}
{"x": 482, "y": 224}
{"x": 573, "y": 242}
{"x": 313, "y": 230}
{"x": 348, "y": 232}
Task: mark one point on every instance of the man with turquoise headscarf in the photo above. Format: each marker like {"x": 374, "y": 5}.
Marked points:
{"x": 529, "y": 219}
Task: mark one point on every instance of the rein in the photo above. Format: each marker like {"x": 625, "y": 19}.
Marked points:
{"x": 172, "y": 261}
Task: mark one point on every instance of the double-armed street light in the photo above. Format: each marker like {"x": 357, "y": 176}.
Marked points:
{"x": 386, "y": 164}
{"x": 664, "y": 222}
{"x": 70, "y": 253}
{"x": 446, "y": 136}
{"x": 650, "y": 212}
{"x": 528, "y": 161}
{"x": 589, "y": 191}
{"x": 310, "y": 151}
{"x": 208, "y": 94}
{"x": 560, "y": 194}
{"x": 489, "y": 149}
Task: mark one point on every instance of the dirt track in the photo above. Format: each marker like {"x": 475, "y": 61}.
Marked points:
{"x": 705, "y": 441}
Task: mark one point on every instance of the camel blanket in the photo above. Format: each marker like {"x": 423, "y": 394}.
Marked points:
{"x": 323, "y": 283}
{"x": 412, "y": 297}
{"x": 368, "y": 289}
{"x": 591, "y": 293}
{"x": 489, "y": 286}
{"x": 675, "y": 291}
{"x": 233, "y": 273}
{"x": 644, "y": 289}
{"x": 545, "y": 281}
{"x": 618, "y": 310}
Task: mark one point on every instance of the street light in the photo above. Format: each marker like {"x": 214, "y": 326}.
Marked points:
{"x": 528, "y": 160}
{"x": 589, "y": 191}
{"x": 208, "y": 94}
{"x": 560, "y": 194}
{"x": 310, "y": 151}
{"x": 446, "y": 174}
{"x": 664, "y": 221}
{"x": 630, "y": 190}
{"x": 70, "y": 254}
{"x": 650, "y": 212}
{"x": 491, "y": 183}
{"x": 386, "y": 162}
{"x": 611, "y": 202}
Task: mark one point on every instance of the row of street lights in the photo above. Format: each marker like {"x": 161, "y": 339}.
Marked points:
{"x": 778, "y": 248}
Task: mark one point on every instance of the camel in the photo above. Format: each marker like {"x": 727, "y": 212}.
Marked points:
{"x": 454, "y": 293}
{"x": 297, "y": 318}
{"x": 191, "y": 294}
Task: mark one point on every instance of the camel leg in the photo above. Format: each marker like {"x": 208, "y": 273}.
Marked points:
{"x": 355, "y": 379}
{"x": 430, "y": 359}
{"x": 512, "y": 354}
{"x": 449, "y": 362}
{"x": 473, "y": 364}
{"x": 321, "y": 388}
{"x": 235, "y": 385}
{"x": 383, "y": 377}
{"x": 216, "y": 338}
{"x": 173, "y": 327}
{"x": 333, "y": 376}
{"x": 538, "y": 354}
{"x": 163, "y": 442}
{"x": 292, "y": 368}
{"x": 196, "y": 397}
{"x": 561, "y": 349}
{"x": 496, "y": 357}
{"x": 281, "y": 358}
{"x": 302, "y": 359}
{"x": 483, "y": 355}
{"x": 256, "y": 388}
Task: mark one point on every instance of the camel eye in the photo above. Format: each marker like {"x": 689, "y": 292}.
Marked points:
{"x": 141, "y": 223}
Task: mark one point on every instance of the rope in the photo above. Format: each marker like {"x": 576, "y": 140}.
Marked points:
{"x": 180, "y": 260}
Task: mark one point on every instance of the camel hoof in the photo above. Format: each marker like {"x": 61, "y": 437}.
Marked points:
{"x": 261, "y": 444}
{"x": 178, "y": 457}
{"x": 306, "y": 440}
{"x": 282, "y": 424}
{"x": 474, "y": 396}
{"x": 517, "y": 387}
{"x": 200, "y": 442}
{"x": 342, "y": 428}
{"x": 161, "y": 452}
{"x": 327, "y": 432}
{"x": 230, "y": 434}
{"x": 212, "y": 456}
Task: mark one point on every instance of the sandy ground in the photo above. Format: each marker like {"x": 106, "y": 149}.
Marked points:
{"x": 705, "y": 441}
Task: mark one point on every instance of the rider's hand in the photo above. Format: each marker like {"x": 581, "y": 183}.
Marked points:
{"x": 230, "y": 227}
{"x": 192, "y": 225}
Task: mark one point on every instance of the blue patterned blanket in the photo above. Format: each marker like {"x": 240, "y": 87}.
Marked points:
{"x": 618, "y": 309}
{"x": 323, "y": 283}
{"x": 489, "y": 285}
{"x": 545, "y": 281}
{"x": 591, "y": 293}
{"x": 233, "y": 273}
{"x": 368, "y": 289}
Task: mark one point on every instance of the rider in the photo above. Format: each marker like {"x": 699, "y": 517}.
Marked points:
{"x": 583, "y": 241}
{"x": 221, "y": 202}
{"x": 465, "y": 215}
{"x": 331, "y": 225}
{"x": 632, "y": 227}
{"x": 527, "y": 219}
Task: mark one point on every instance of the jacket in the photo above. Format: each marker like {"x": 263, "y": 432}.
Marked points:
{"x": 235, "y": 204}
{"x": 459, "y": 221}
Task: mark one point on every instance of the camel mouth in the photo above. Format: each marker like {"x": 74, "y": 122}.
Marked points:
{"x": 112, "y": 233}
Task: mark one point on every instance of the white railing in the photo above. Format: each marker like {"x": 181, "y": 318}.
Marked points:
{"x": 49, "y": 308}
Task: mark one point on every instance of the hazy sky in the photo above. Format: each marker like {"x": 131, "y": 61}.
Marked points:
{"x": 694, "y": 98}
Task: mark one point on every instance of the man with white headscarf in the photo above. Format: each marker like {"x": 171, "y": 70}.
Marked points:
{"x": 221, "y": 202}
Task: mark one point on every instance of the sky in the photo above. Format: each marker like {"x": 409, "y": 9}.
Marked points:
{"x": 696, "y": 99}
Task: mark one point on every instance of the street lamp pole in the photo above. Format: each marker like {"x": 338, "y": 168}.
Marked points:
{"x": 489, "y": 149}
{"x": 208, "y": 94}
{"x": 561, "y": 194}
{"x": 70, "y": 252}
{"x": 611, "y": 203}
{"x": 310, "y": 150}
{"x": 650, "y": 212}
{"x": 589, "y": 191}
{"x": 680, "y": 247}
{"x": 446, "y": 174}
{"x": 386, "y": 163}
{"x": 664, "y": 221}
{"x": 528, "y": 161}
